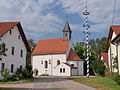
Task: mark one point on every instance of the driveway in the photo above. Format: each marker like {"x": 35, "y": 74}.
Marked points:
{"x": 48, "y": 83}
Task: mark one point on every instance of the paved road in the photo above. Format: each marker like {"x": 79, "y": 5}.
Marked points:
{"x": 48, "y": 83}
{"x": 58, "y": 83}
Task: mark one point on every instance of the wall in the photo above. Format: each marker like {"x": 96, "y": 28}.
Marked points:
{"x": 61, "y": 66}
{"x": 79, "y": 65}
{"x": 12, "y": 40}
{"x": 112, "y": 53}
{"x": 37, "y": 59}
{"x": 119, "y": 57}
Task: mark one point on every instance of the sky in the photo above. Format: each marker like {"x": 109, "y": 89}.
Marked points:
{"x": 45, "y": 19}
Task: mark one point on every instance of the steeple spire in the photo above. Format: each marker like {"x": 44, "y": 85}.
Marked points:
{"x": 67, "y": 32}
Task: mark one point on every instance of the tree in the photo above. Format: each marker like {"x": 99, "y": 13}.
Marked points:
{"x": 32, "y": 44}
{"x": 3, "y": 49}
{"x": 80, "y": 50}
{"x": 96, "y": 66}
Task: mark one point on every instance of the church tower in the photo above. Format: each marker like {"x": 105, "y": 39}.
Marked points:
{"x": 67, "y": 32}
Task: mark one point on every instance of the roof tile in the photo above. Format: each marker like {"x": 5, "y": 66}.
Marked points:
{"x": 51, "y": 46}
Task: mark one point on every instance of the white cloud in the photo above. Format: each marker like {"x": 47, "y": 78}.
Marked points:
{"x": 40, "y": 16}
{"x": 101, "y": 11}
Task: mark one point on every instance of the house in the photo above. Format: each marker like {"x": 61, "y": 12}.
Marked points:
{"x": 116, "y": 42}
{"x": 12, "y": 35}
{"x": 112, "y": 54}
{"x": 57, "y": 57}
{"x": 104, "y": 57}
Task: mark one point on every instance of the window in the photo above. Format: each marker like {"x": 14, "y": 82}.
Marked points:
{"x": 0, "y": 38}
{"x": 63, "y": 70}
{"x": 10, "y": 32}
{"x": 12, "y": 51}
{"x": 19, "y": 37}
{"x": 41, "y": 62}
{"x": 12, "y": 68}
{"x": 58, "y": 62}
{"x": 46, "y": 64}
{"x": 72, "y": 65}
{"x": 21, "y": 53}
{"x": 2, "y": 66}
{"x": 60, "y": 70}
{"x": 20, "y": 66}
{"x": 65, "y": 34}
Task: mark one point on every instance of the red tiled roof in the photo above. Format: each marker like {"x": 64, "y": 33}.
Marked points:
{"x": 6, "y": 26}
{"x": 105, "y": 57}
{"x": 73, "y": 56}
{"x": 51, "y": 46}
{"x": 115, "y": 29}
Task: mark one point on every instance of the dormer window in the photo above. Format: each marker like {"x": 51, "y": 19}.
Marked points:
{"x": 10, "y": 32}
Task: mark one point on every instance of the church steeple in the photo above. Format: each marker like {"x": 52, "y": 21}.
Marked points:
{"x": 67, "y": 32}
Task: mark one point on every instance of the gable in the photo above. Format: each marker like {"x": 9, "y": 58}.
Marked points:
{"x": 114, "y": 31}
{"x": 7, "y": 26}
{"x": 73, "y": 56}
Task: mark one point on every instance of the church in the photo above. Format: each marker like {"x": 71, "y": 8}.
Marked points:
{"x": 57, "y": 57}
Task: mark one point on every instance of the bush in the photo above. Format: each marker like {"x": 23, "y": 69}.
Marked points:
{"x": 19, "y": 73}
{"x": 5, "y": 74}
{"x": 14, "y": 78}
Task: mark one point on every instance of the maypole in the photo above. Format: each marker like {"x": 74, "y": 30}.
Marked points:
{"x": 87, "y": 33}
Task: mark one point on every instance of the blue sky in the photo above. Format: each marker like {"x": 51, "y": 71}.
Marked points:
{"x": 45, "y": 19}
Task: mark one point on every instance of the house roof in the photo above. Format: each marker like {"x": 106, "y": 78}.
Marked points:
{"x": 115, "y": 29}
{"x": 116, "y": 39}
{"x": 51, "y": 46}
{"x": 73, "y": 56}
{"x": 105, "y": 57}
{"x": 7, "y": 26}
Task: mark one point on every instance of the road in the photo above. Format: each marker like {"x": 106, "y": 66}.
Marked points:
{"x": 48, "y": 83}
{"x": 58, "y": 83}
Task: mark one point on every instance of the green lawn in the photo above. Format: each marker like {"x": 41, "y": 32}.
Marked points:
{"x": 102, "y": 83}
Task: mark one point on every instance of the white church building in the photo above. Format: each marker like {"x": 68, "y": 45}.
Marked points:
{"x": 57, "y": 57}
{"x": 12, "y": 35}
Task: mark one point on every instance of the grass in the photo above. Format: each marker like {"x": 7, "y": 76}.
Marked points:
{"x": 102, "y": 83}
{"x": 27, "y": 80}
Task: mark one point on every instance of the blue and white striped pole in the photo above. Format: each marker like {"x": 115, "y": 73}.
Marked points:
{"x": 86, "y": 13}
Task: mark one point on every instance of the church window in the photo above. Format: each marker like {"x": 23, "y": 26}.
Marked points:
{"x": 58, "y": 62}
{"x": 72, "y": 65}
{"x": 65, "y": 34}
{"x": 46, "y": 64}
{"x": 60, "y": 70}
{"x": 41, "y": 62}
{"x": 63, "y": 70}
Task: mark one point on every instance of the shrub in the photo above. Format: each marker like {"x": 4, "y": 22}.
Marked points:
{"x": 14, "y": 78}
{"x": 19, "y": 73}
{"x": 5, "y": 74}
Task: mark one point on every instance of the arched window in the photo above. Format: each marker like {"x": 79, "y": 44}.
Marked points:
{"x": 58, "y": 62}
{"x": 46, "y": 64}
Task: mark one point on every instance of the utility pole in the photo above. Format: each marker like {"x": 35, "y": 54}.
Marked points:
{"x": 87, "y": 33}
